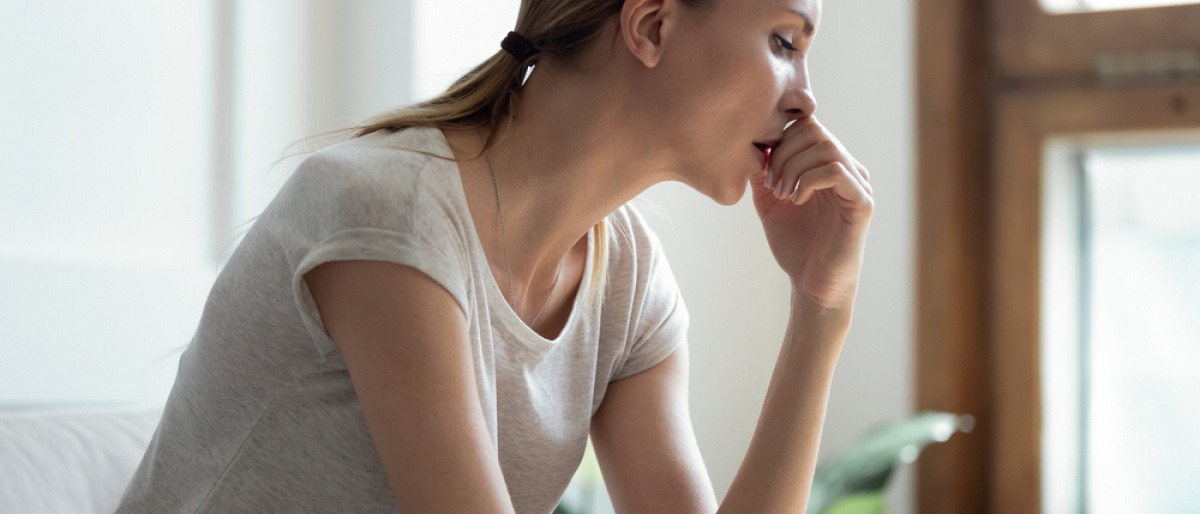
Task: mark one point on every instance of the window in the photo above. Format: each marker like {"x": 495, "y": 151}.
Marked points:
{"x": 1071, "y": 6}
{"x": 1143, "y": 339}
{"x": 1010, "y": 97}
{"x": 1120, "y": 331}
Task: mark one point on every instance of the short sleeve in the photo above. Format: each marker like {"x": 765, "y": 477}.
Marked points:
{"x": 661, "y": 315}
{"x": 375, "y": 245}
{"x": 359, "y": 203}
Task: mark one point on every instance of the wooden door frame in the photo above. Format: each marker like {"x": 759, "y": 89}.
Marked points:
{"x": 953, "y": 123}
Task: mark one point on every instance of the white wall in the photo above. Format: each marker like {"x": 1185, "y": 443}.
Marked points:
{"x": 305, "y": 67}
{"x": 104, "y": 196}
{"x": 139, "y": 136}
{"x": 862, "y": 71}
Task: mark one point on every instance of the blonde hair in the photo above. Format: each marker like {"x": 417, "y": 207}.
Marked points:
{"x": 487, "y": 96}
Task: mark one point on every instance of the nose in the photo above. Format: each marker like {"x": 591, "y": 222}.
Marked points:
{"x": 798, "y": 100}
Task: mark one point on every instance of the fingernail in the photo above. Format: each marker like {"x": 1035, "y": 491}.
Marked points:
{"x": 770, "y": 180}
{"x": 779, "y": 188}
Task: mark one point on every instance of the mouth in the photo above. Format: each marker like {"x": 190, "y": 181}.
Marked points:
{"x": 764, "y": 152}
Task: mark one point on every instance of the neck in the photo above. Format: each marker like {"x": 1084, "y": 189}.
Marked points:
{"x": 563, "y": 163}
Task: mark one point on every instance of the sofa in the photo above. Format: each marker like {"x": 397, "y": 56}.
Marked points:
{"x": 70, "y": 460}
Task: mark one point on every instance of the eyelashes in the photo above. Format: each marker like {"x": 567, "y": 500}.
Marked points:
{"x": 784, "y": 45}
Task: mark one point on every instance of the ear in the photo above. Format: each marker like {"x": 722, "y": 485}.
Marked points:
{"x": 646, "y": 25}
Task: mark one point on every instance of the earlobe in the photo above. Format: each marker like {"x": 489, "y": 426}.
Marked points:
{"x": 645, "y": 27}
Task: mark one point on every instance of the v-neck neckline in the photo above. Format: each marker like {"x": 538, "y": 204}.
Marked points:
{"x": 496, "y": 300}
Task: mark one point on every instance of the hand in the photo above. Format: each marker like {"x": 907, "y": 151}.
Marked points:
{"x": 815, "y": 203}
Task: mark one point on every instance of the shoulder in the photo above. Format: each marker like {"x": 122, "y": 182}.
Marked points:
{"x": 371, "y": 178}
{"x": 414, "y": 146}
{"x": 632, "y": 242}
{"x": 371, "y": 198}
{"x": 638, "y": 270}
{"x": 641, "y": 283}
{"x": 380, "y": 161}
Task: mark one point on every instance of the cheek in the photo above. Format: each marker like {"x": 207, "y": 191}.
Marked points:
{"x": 733, "y": 92}
{"x": 757, "y": 86}
{"x": 743, "y": 109}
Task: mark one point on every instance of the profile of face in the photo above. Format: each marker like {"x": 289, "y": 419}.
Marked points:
{"x": 730, "y": 77}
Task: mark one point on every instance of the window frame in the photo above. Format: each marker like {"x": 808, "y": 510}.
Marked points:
{"x": 1025, "y": 123}
{"x": 998, "y": 80}
{"x": 1030, "y": 44}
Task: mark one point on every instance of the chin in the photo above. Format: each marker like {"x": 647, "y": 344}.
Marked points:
{"x": 725, "y": 188}
{"x": 729, "y": 194}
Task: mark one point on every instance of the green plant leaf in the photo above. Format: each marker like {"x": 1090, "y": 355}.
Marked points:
{"x": 867, "y": 467}
{"x": 861, "y": 503}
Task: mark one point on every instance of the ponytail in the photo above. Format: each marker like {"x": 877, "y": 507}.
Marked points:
{"x": 486, "y": 97}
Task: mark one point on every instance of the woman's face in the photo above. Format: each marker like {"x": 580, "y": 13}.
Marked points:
{"x": 735, "y": 74}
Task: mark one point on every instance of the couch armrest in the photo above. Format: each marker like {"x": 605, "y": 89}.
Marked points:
{"x": 70, "y": 460}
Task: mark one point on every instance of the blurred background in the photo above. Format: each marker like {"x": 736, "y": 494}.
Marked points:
{"x": 141, "y": 138}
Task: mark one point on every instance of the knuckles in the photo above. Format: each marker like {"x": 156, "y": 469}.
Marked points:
{"x": 829, "y": 149}
{"x": 814, "y": 154}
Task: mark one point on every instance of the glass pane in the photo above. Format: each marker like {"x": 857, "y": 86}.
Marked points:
{"x": 1141, "y": 335}
{"x": 1069, "y": 6}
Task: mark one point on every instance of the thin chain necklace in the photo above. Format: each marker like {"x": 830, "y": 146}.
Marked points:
{"x": 512, "y": 292}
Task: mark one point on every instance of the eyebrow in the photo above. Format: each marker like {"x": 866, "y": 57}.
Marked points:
{"x": 809, "y": 28}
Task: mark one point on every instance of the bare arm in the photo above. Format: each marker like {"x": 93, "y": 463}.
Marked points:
{"x": 404, "y": 341}
{"x": 647, "y": 449}
{"x": 644, "y": 442}
{"x": 777, "y": 472}
{"x": 815, "y": 203}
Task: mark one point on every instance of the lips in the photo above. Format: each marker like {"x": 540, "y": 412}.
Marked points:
{"x": 764, "y": 152}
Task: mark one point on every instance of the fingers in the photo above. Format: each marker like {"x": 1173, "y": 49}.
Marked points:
{"x": 823, "y": 152}
{"x": 863, "y": 171}
{"x": 832, "y": 176}
{"x": 806, "y": 147}
{"x": 864, "y": 177}
{"x": 801, "y": 135}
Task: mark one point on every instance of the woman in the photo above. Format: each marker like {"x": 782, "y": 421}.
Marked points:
{"x": 433, "y": 315}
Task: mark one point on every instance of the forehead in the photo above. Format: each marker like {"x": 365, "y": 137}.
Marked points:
{"x": 806, "y": 13}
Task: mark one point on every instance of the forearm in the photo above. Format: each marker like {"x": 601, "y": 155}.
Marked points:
{"x": 777, "y": 472}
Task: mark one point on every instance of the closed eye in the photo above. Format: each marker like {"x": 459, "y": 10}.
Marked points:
{"x": 784, "y": 44}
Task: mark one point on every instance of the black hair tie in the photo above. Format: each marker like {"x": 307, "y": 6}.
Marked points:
{"x": 518, "y": 46}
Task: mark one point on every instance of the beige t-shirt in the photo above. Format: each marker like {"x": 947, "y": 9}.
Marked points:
{"x": 263, "y": 416}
